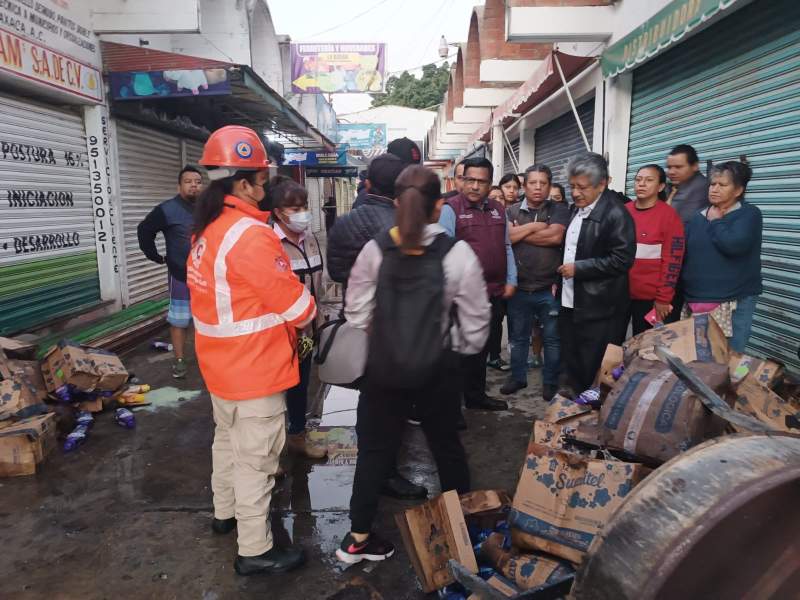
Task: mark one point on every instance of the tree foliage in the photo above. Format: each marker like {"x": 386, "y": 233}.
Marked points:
{"x": 423, "y": 92}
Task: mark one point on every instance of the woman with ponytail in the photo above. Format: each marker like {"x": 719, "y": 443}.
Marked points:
{"x": 247, "y": 307}
{"x": 422, "y": 297}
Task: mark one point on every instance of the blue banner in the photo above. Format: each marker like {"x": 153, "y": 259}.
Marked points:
{"x": 314, "y": 158}
{"x": 363, "y": 136}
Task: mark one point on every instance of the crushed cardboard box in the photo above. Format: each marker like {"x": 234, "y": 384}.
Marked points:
{"x": 109, "y": 368}
{"x": 433, "y": 533}
{"x": 30, "y": 371}
{"x": 524, "y": 570}
{"x": 563, "y": 500}
{"x": 564, "y": 410}
{"x": 754, "y": 399}
{"x": 697, "y": 338}
{"x": 768, "y": 373}
{"x": 19, "y": 399}
{"x": 25, "y": 444}
{"x": 612, "y": 359}
{"x": 652, "y": 415}
{"x": 69, "y": 363}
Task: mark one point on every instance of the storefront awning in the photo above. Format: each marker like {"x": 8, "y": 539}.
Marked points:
{"x": 542, "y": 83}
{"x": 661, "y": 31}
{"x": 146, "y": 81}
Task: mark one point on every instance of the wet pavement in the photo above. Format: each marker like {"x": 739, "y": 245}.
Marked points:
{"x": 127, "y": 515}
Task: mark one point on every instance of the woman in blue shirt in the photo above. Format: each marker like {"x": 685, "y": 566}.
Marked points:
{"x": 722, "y": 270}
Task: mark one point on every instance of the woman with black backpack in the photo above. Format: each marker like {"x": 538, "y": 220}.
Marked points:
{"x": 422, "y": 297}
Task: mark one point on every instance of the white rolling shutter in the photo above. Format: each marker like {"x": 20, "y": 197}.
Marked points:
{"x": 48, "y": 262}
{"x": 149, "y": 163}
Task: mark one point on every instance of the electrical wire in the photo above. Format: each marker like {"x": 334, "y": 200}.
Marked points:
{"x": 410, "y": 69}
{"x": 358, "y": 16}
{"x": 435, "y": 22}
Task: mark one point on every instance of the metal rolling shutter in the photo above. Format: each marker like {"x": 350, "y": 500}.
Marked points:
{"x": 735, "y": 90}
{"x": 558, "y": 141}
{"x": 149, "y": 163}
{"x": 48, "y": 262}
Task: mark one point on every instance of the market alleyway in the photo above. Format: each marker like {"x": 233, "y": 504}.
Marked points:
{"x": 127, "y": 515}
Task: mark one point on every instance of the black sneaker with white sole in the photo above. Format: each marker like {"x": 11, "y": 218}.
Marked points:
{"x": 373, "y": 548}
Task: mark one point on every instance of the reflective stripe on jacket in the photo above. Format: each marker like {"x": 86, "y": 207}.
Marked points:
{"x": 247, "y": 305}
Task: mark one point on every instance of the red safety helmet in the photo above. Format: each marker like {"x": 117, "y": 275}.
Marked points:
{"x": 235, "y": 147}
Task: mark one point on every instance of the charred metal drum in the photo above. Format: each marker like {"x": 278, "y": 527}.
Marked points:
{"x": 719, "y": 521}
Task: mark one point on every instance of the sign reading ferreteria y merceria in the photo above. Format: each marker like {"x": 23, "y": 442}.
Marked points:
{"x": 337, "y": 68}
{"x": 658, "y": 32}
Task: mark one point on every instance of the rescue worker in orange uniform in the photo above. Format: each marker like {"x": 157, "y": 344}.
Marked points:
{"x": 247, "y": 307}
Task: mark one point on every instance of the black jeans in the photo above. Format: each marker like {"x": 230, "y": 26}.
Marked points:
{"x": 637, "y": 313}
{"x": 584, "y": 343}
{"x": 473, "y": 366}
{"x": 297, "y": 398}
{"x": 382, "y": 415}
{"x": 494, "y": 345}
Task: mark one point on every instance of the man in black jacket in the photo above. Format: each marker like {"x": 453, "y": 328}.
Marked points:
{"x": 374, "y": 214}
{"x": 174, "y": 220}
{"x": 599, "y": 249}
{"x": 349, "y": 235}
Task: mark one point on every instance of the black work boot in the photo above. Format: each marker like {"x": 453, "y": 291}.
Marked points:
{"x": 223, "y": 526}
{"x": 275, "y": 560}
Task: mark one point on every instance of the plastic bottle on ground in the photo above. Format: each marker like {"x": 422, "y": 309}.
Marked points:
{"x": 138, "y": 389}
{"x": 162, "y": 346}
{"x": 84, "y": 418}
{"x": 125, "y": 418}
{"x": 76, "y": 438}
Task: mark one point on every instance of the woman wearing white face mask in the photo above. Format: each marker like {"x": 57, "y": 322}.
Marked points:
{"x": 291, "y": 221}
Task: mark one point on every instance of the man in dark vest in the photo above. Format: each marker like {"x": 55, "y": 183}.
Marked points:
{"x": 481, "y": 222}
{"x": 174, "y": 220}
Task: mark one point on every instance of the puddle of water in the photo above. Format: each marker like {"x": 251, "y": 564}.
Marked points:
{"x": 339, "y": 407}
{"x": 167, "y": 397}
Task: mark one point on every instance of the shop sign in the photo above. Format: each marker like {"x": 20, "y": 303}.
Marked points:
{"x": 313, "y": 158}
{"x": 38, "y": 63}
{"x": 63, "y": 25}
{"x": 369, "y": 138}
{"x": 135, "y": 85}
{"x": 659, "y": 32}
{"x": 338, "y": 68}
{"x": 331, "y": 171}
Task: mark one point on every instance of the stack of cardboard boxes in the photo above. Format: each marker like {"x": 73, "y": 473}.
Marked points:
{"x": 69, "y": 373}
{"x": 583, "y": 462}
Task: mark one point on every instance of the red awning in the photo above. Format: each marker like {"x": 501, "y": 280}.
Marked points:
{"x": 542, "y": 83}
{"x": 119, "y": 58}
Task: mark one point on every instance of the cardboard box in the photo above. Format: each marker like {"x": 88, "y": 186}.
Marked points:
{"x": 68, "y": 362}
{"x": 525, "y": 571}
{"x": 752, "y": 398}
{"x": 612, "y": 358}
{"x": 25, "y": 444}
{"x": 697, "y": 338}
{"x": 433, "y": 533}
{"x": 18, "y": 400}
{"x": 564, "y": 410}
{"x": 503, "y": 585}
{"x": 109, "y": 368}
{"x": 30, "y": 372}
{"x": 481, "y": 501}
{"x": 563, "y": 500}
{"x": 652, "y": 415}
{"x": 768, "y": 373}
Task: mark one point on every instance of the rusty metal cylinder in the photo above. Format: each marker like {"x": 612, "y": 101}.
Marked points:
{"x": 719, "y": 521}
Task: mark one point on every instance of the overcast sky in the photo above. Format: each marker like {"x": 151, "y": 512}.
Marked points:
{"x": 410, "y": 28}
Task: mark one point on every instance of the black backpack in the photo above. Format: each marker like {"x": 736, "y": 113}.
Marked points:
{"x": 406, "y": 345}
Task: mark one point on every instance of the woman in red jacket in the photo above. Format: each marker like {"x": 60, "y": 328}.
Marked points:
{"x": 659, "y": 249}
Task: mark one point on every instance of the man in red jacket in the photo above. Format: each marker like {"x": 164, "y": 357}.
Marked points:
{"x": 659, "y": 249}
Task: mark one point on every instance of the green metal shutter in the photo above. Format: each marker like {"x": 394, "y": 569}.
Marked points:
{"x": 48, "y": 261}
{"x": 734, "y": 90}
{"x": 558, "y": 141}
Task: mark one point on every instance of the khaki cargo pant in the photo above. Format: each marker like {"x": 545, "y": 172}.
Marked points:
{"x": 248, "y": 440}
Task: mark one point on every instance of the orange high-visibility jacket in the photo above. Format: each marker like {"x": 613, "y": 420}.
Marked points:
{"x": 246, "y": 304}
